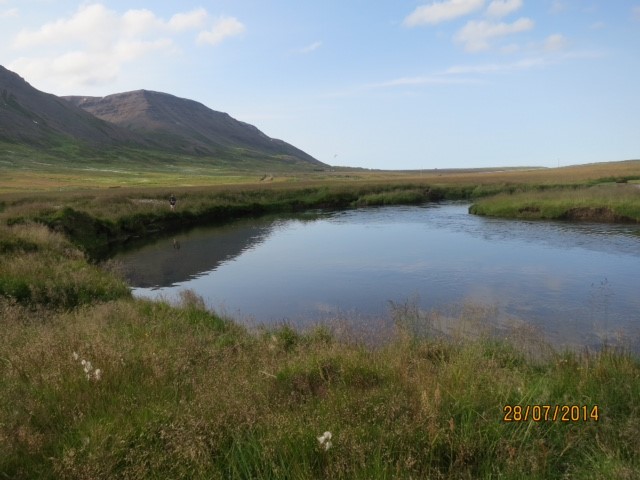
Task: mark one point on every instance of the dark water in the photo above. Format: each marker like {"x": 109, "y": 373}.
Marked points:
{"x": 577, "y": 283}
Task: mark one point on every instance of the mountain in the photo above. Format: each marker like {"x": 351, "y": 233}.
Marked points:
{"x": 39, "y": 119}
{"x": 183, "y": 125}
{"x": 142, "y": 120}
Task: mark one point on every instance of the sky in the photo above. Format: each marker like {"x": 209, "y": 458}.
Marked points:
{"x": 389, "y": 84}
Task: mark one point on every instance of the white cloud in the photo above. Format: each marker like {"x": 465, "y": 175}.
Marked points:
{"x": 127, "y": 51}
{"x": 11, "y": 13}
{"x": 558, "y": 6}
{"x": 511, "y": 48}
{"x": 526, "y": 63}
{"x": 69, "y": 70}
{"x": 309, "y": 48}
{"x": 96, "y": 21}
{"x": 437, "y": 12}
{"x": 475, "y": 35}
{"x": 91, "y": 46}
{"x": 87, "y": 68}
{"x": 223, "y": 28}
{"x": 502, "y": 8}
{"x": 425, "y": 80}
{"x": 190, "y": 20}
{"x": 87, "y": 24}
{"x": 555, "y": 42}
{"x": 490, "y": 68}
{"x": 140, "y": 22}
{"x": 460, "y": 74}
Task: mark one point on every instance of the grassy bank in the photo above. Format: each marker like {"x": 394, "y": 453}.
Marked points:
{"x": 95, "y": 384}
{"x": 124, "y": 388}
{"x": 98, "y": 219}
{"x": 603, "y": 203}
{"x": 40, "y": 267}
{"x": 178, "y": 392}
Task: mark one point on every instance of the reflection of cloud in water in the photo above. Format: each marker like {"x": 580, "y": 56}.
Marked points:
{"x": 326, "y": 308}
{"x": 339, "y": 268}
{"x": 555, "y": 284}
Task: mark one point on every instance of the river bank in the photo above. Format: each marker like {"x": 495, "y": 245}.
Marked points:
{"x": 97, "y": 384}
{"x": 612, "y": 203}
{"x": 113, "y": 387}
{"x": 99, "y": 220}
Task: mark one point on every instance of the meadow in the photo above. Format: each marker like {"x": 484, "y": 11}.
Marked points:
{"x": 97, "y": 384}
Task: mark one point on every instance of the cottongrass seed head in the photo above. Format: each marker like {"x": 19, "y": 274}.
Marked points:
{"x": 89, "y": 372}
{"x": 325, "y": 440}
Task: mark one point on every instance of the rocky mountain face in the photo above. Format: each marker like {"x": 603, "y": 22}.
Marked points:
{"x": 140, "y": 119}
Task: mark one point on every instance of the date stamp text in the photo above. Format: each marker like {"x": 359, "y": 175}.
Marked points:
{"x": 551, "y": 413}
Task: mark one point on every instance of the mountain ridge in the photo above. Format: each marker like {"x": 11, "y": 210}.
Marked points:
{"x": 140, "y": 119}
{"x": 183, "y": 124}
{"x": 28, "y": 115}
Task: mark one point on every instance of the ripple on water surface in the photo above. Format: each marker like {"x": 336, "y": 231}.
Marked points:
{"x": 578, "y": 282}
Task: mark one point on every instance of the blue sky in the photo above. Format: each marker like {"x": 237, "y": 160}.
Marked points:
{"x": 394, "y": 84}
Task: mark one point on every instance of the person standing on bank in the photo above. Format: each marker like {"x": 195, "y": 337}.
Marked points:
{"x": 172, "y": 201}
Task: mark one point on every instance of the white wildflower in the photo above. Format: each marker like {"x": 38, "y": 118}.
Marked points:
{"x": 89, "y": 372}
{"x": 75, "y": 356}
{"x": 87, "y": 367}
{"x": 325, "y": 440}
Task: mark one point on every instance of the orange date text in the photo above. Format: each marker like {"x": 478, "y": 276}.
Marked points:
{"x": 551, "y": 413}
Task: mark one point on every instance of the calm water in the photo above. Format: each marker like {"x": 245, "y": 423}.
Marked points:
{"x": 578, "y": 283}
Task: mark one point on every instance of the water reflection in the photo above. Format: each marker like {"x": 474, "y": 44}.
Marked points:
{"x": 167, "y": 262}
{"x": 576, "y": 282}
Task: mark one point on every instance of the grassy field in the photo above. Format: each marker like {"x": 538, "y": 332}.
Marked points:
{"x": 613, "y": 203}
{"x": 96, "y": 384}
{"x": 24, "y": 169}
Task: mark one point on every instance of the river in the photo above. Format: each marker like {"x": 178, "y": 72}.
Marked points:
{"x": 576, "y": 284}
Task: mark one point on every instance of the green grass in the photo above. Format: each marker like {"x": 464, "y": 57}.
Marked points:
{"x": 41, "y": 267}
{"x": 616, "y": 202}
{"x": 97, "y": 220}
{"x": 69, "y": 166}
{"x": 185, "y": 393}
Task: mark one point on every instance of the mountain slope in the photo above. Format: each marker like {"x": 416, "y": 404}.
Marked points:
{"x": 32, "y": 117}
{"x": 138, "y": 125}
{"x": 183, "y": 125}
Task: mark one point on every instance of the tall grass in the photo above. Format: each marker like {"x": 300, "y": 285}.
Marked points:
{"x": 43, "y": 267}
{"x": 180, "y": 392}
{"x": 186, "y": 394}
{"x": 619, "y": 202}
{"x": 95, "y": 220}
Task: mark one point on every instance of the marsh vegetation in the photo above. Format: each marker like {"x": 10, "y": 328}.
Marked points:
{"x": 185, "y": 393}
